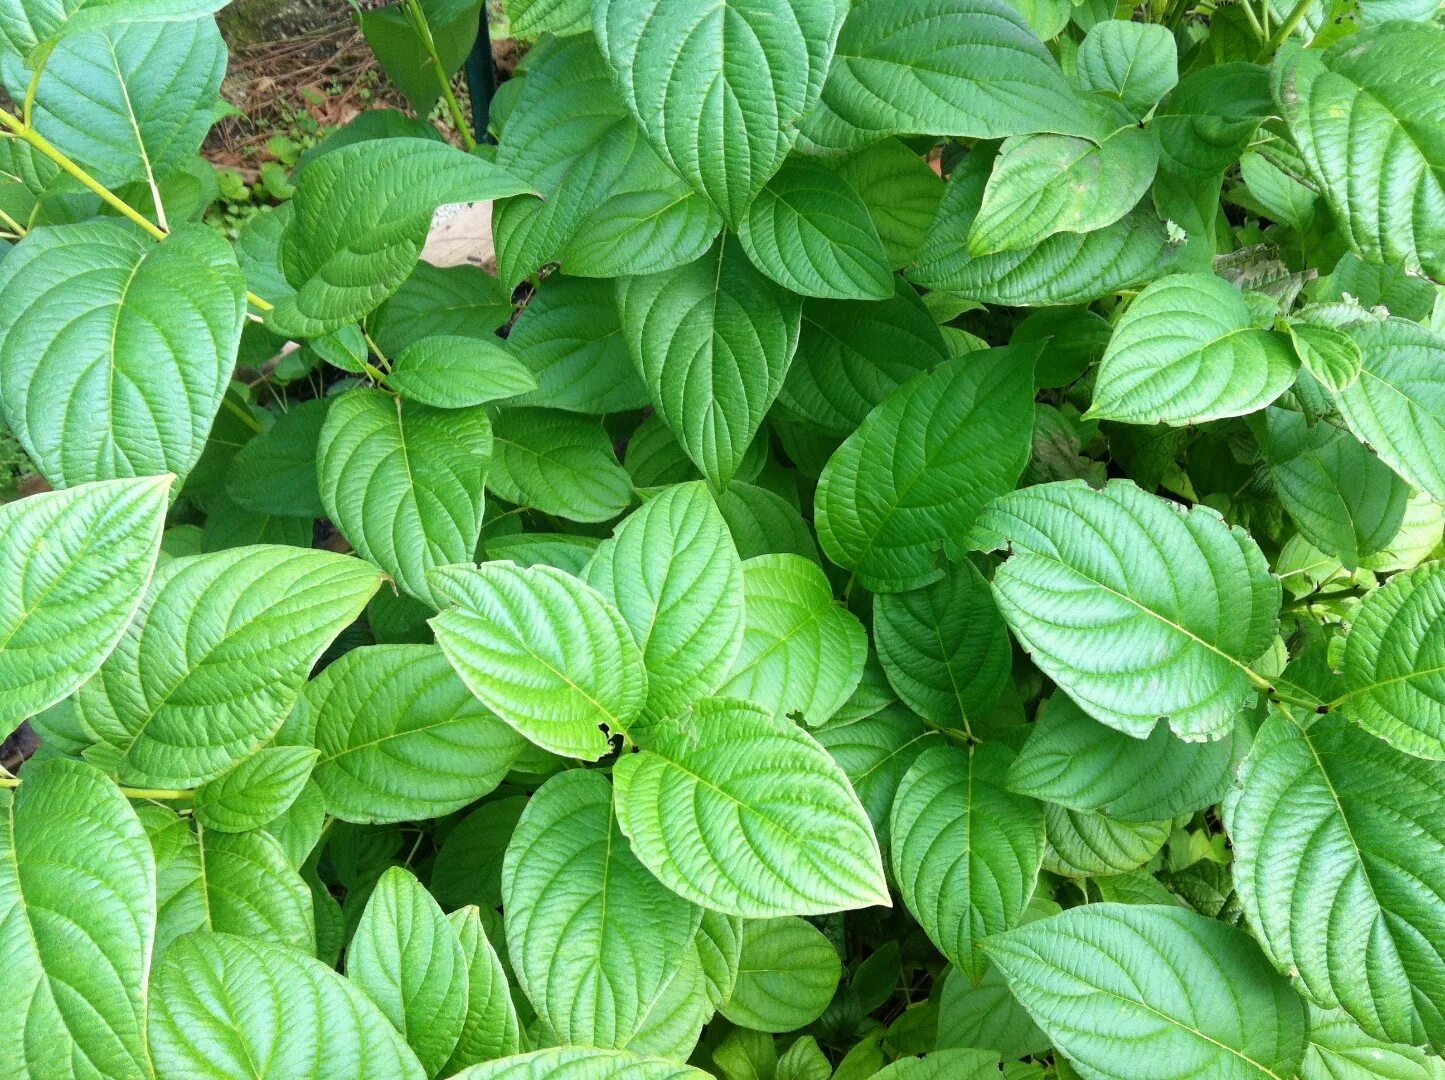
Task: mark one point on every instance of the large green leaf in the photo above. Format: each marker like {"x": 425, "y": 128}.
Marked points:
{"x": 1187, "y": 351}
{"x": 570, "y": 877}
{"x": 1137, "y": 63}
{"x": 1371, "y": 131}
{"x": 403, "y": 482}
{"x": 78, "y": 562}
{"x": 221, "y": 1004}
{"x": 1139, "y": 609}
{"x": 923, "y": 464}
{"x": 533, "y": 18}
{"x": 176, "y": 709}
{"x": 401, "y": 738}
{"x": 802, "y": 652}
{"x": 362, "y": 213}
{"x": 901, "y": 193}
{"x": 1114, "y": 985}
{"x": 275, "y": 473}
{"x": 720, "y": 89}
{"x": 786, "y": 834}
{"x": 1339, "y": 847}
{"x": 1087, "y": 844}
{"x": 256, "y": 790}
{"x": 558, "y": 464}
{"x": 440, "y": 301}
{"x": 674, "y": 574}
{"x": 965, "y": 851}
{"x": 787, "y": 974}
{"x": 490, "y": 1028}
{"x": 547, "y": 653}
{"x": 712, "y": 340}
{"x": 876, "y": 752}
{"x": 581, "y": 1063}
{"x": 115, "y": 351}
{"x": 451, "y": 371}
{"x": 1338, "y": 1050}
{"x": 971, "y": 68}
{"x": 78, "y": 901}
{"x": 29, "y": 23}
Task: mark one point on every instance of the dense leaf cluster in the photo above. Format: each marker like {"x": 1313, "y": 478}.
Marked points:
{"x": 919, "y": 563}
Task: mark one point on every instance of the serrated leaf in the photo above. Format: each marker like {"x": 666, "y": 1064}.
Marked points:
{"x": 787, "y": 974}
{"x": 221, "y": 1003}
{"x": 490, "y": 1028}
{"x": 580, "y": 1063}
{"x": 788, "y": 835}
{"x": 558, "y": 464}
{"x": 965, "y": 851}
{"x": 569, "y": 875}
{"x": 255, "y": 790}
{"x": 1339, "y": 843}
{"x": 1138, "y": 609}
{"x": 1137, "y": 63}
{"x": 712, "y": 341}
{"x": 117, "y": 370}
{"x": 403, "y": 482}
{"x": 916, "y": 473}
{"x": 453, "y": 372}
{"x": 78, "y": 893}
{"x": 79, "y": 561}
{"x": 178, "y": 710}
{"x": 1113, "y": 984}
{"x": 544, "y": 651}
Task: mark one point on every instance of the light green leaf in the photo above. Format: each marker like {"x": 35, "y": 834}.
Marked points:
{"x": 490, "y": 1029}
{"x": 180, "y": 709}
{"x": 674, "y": 1023}
{"x": 901, "y": 193}
{"x": 401, "y": 738}
{"x": 810, "y": 232}
{"x": 403, "y": 482}
{"x": 1394, "y": 662}
{"x": 719, "y": 90}
{"x": 762, "y": 522}
{"x": 118, "y": 369}
{"x": 1073, "y": 760}
{"x": 1339, "y": 845}
{"x": 1140, "y": 610}
{"x": 788, "y": 836}
{"x": 786, "y": 977}
{"x": 1137, "y": 63}
{"x": 28, "y": 24}
{"x": 916, "y": 473}
{"x": 1116, "y": 984}
{"x": 453, "y": 372}
{"x": 221, "y": 1003}
{"x": 802, "y": 652}
{"x": 558, "y": 464}
{"x": 965, "y": 851}
{"x": 255, "y": 790}
{"x": 674, "y": 574}
{"x": 1331, "y": 356}
{"x": 78, "y": 563}
{"x": 876, "y": 752}
{"x": 546, "y": 652}
{"x": 570, "y": 877}
{"x": 580, "y": 1063}
{"x": 1338, "y": 1050}
{"x": 970, "y": 68}
{"x": 533, "y": 18}
{"x": 78, "y": 899}
{"x": 362, "y": 214}
{"x": 408, "y": 959}
{"x": 712, "y": 341}
{"x": 719, "y": 946}
{"x": 945, "y": 647}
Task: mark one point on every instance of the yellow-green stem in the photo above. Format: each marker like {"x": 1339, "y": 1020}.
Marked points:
{"x": 128, "y": 792}
{"x": 423, "y": 29}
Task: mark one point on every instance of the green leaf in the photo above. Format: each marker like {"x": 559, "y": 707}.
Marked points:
{"x": 986, "y": 1015}
{"x": 788, "y": 836}
{"x": 1140, "y": 610}
{"x": 1187, "y": 351}
{"x": 965, "y": 850}
{"x": 403, "y": 482}
{"x": 408, "y": 959}
{"x": 78, "y": 892}
{"x": 916, "y": 473}
{"x": 546, "y": 652}
{"x": 406, "y": 57}
{"x": 786, "y": 977}
{"x": 580, "y": 1063}
{"x": 1137, "y": 63}
{"x": 78, "y": 562}
{"x": 558, "y": 464}
{"x": 720, "y": 90}
{"x": 1115, "y": 984}
{"x": 401, "y": 738}
{"x": 1339, "y": 845}
{"x": 810, "y": 232}
{"x": 490, "y": 1029}
{"x": 901, "y": 193}
{"x": 29, "y": 23}
{"x": 1073, "y": 760}
{"x": 719, "y": 945}
{"x": 968, "y": 68}
{"x": 876, "y": 752}
{"x": 180, "y": 709}
{"x": 468, "y": 868}
{"x": 441, "y": 301}
{"x": 569, "y": 876}
{"x": 945, "y": 647}
{"x": 255, "y": 790}
{"x": 533, "y": 18}
{"x": 1086, "y": 844}
{"x": 802, "y": 652}
{"x": 674, "y": 574}
{"x": 712, "y": 341}
{"x": 216, "y": 1010}
{"x": 453, "y": 372}
{"x": 275, "y": 473}
{"x": 116, "y": 370}
{"x": 1338, "y": 1050}
{"x": 1371, "y": 140}
{"x": 1331, "y": 356}
{"x": 362, "y": 214}
{"x": 944, "y": 1065}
